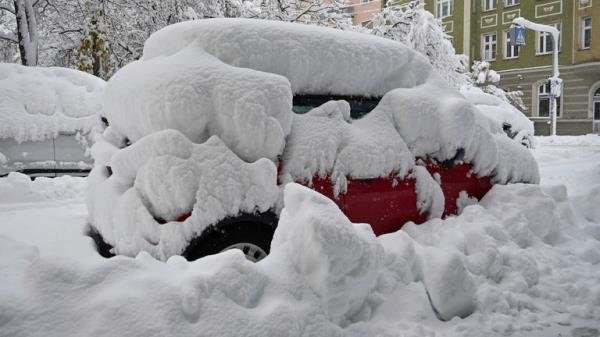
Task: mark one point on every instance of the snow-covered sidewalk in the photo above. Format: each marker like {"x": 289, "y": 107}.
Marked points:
{"x": 525, "y": 261}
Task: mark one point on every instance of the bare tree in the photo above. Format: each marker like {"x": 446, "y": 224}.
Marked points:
{"x": 25, "y": 33}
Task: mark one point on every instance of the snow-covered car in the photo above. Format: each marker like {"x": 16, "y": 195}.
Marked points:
{"x": 203, "y": 137}
{"x": 47, "y": 120}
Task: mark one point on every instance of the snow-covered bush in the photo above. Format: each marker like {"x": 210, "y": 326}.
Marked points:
{"x": 485, "y": 78}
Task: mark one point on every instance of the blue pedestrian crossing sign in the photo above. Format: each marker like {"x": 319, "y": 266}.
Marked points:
{"x": 517, "y": 36}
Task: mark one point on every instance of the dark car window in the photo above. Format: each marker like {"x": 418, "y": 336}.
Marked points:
{"x": 359, "y": 106}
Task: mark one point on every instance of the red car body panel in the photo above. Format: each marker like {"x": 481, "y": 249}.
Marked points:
{"x": 387, "y": 203}
{"x": 456, "y": 179}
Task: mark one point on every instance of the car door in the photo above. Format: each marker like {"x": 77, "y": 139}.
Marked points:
{"x": 385, "y": 203}
{"x": 70, "y": 154}
{"x": 35, "y": 158}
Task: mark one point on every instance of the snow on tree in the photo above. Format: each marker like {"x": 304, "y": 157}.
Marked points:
{"x": 414, "y": 26}
{"x": 25, "y": 31}
{"x": 93, "y": 52}
{"x": 485, "y": 78}
{"x": 330, "y": 13}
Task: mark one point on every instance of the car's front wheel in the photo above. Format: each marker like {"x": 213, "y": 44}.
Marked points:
{"x": 252, "y": 234}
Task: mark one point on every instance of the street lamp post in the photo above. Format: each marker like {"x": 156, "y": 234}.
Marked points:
{"x": 555, "y": 81}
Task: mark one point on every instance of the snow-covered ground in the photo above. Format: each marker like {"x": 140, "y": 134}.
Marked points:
{"x": 525, "y": 261}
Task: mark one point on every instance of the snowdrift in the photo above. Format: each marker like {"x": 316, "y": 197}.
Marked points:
{"x": 231, "y": 82}
{"x": 37, "y": 103}
{"x": 498, "y": 262}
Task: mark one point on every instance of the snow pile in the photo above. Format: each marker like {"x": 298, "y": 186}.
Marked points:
{"x": 315, "y": 60}
{"x": 496, "y": 264}
{"x": 163, "y": 176}
{"x": 325, "y": 142}
{"x": 590, "y": 139}
{"x": 341, "y": 260}
{"x": 501, "y": 113}
{"x": 447, "y": 127}
{"x": 18, "y": 187}
{"x": 37, "y": 103}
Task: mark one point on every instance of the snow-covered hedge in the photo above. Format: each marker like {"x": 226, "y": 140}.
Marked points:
{"x": 226, "y": 87}
{"x": 37, "y": 103}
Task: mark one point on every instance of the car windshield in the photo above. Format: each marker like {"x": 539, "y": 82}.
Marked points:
{"x": 359, "y": 106}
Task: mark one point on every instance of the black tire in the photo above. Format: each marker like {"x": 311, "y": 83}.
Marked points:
{"x": 103, "y": 248}
{"x": 246, "y": 231}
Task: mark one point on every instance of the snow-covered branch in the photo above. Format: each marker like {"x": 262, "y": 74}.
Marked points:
{"x": 8, "y": 9}
{"x": 8, "y": 37}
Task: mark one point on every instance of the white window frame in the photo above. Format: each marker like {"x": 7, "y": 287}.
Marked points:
{"x": 514, "y": 50}
{"x": 439, "y": 8}
{"x": 510, "y": 3}
{"x": 493, "y": 46}
{"x": 596, "y": 103}
{"x": 543, "y": 92}
{"x": 547, "y": 37}
{"x": 489, "y": 5}
{"x": 583, "y": 28}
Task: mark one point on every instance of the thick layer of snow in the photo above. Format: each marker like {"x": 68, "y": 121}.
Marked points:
{"x": 326, "y": 276}
{"x": 500, "y": 112}
{"x": 37, "y": 103}
{"x": 164, "y": 175}
{"x": 315, "y": 60}
{"x": 17, "y": 187}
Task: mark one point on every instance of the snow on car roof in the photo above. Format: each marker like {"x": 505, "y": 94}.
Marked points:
{"x": 37, "y": 103}
{"x": 316, "y": 60}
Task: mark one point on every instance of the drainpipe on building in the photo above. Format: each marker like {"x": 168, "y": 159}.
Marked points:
{"x": 555, "y": 81}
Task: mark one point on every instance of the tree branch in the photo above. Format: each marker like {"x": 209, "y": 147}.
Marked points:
{"x": 8, "y": 9}
{"x": 8, "y": 37}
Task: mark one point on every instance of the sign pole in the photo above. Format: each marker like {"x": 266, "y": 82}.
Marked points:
{"x": 555, "y": 81}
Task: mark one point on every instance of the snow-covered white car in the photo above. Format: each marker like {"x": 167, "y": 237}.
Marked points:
{"x": 47, "y": 118}
{"x": 203, "y": 137}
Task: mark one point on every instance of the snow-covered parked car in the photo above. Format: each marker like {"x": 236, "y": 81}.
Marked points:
{"x": 203, "y": 137}
{"x": 47, "y": 118}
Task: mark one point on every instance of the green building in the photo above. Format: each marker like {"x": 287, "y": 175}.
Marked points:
{"x": 480, "y": 29}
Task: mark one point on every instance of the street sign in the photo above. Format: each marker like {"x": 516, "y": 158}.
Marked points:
{"x": 517, "y": 36}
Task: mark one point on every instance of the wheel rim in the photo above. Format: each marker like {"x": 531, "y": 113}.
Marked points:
{"x": 252, "y": 252}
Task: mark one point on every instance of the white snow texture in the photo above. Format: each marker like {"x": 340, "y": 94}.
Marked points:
{"x": 37, "y": 103}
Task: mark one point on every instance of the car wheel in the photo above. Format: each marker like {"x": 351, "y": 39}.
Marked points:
{"x": 252, "y": 238}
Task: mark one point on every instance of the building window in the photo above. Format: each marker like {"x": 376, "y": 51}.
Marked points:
{"x": 545, "y": 44}
{"x": 510, "y": 51}
{"x": 488, "y": 5}
{"x": 508, "y": 3}
{"x": 586, "y": 32}
{"x": 544, "y": 101}
{"x": 489, "y": 43}
{"x": 596, "y": 102}
{"x": 444, "y": 8}
{"x": 365, "y": 1}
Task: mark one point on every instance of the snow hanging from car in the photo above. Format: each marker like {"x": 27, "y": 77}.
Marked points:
{"x": 38, "y": 103}
{"x": 231, "y": 82}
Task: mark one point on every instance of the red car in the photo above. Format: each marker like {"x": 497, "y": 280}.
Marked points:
{"x": 203, "y": 136}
